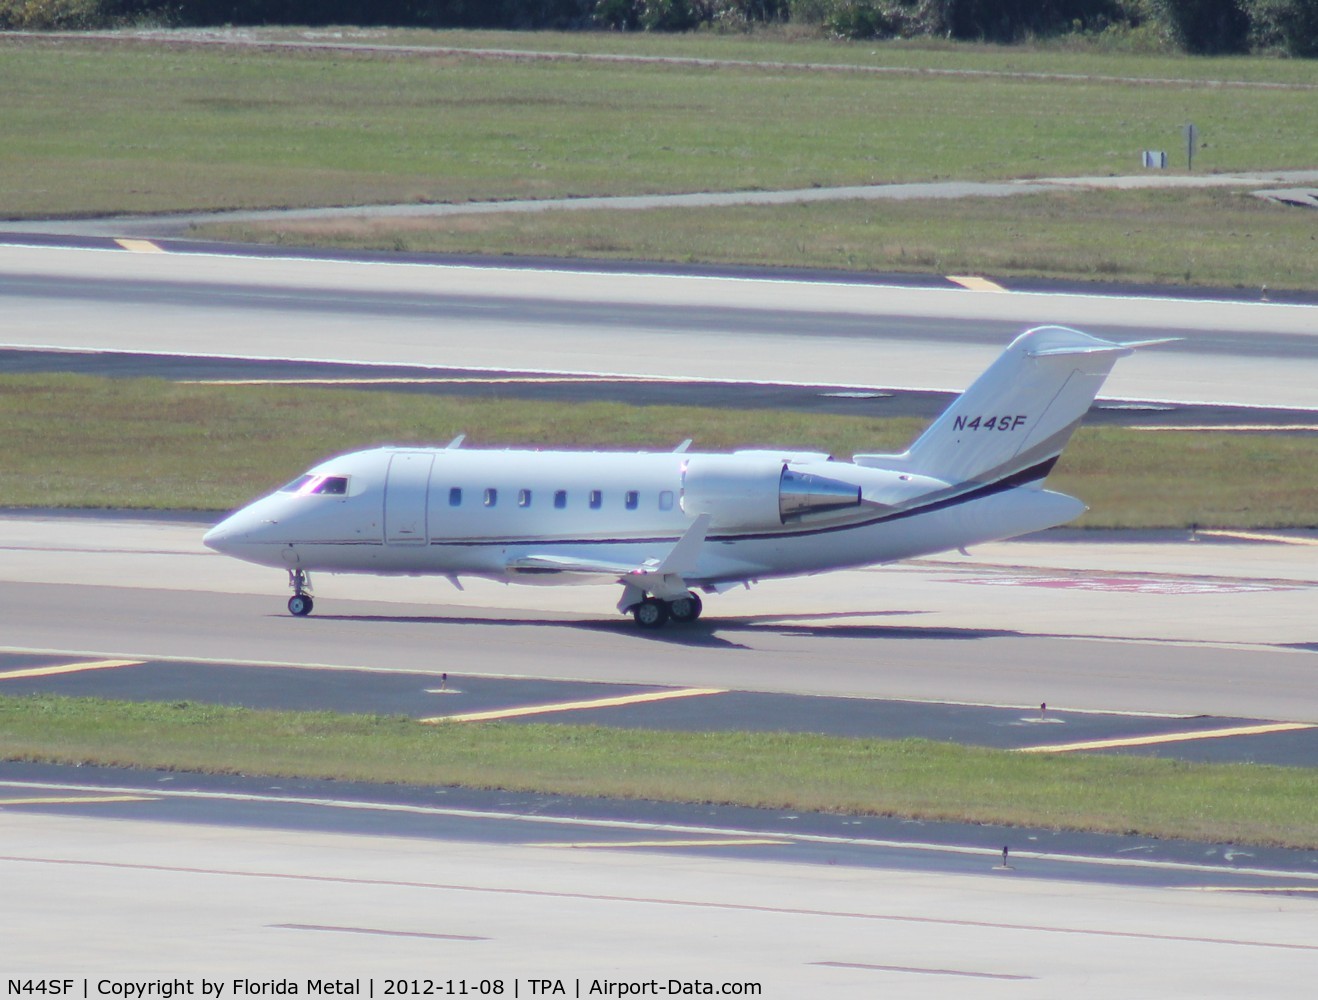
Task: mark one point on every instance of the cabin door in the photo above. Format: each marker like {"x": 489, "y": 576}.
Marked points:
{"x": 406, "y": 495}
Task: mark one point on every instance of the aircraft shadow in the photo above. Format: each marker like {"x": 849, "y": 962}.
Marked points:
{"x": 713, "y": 633}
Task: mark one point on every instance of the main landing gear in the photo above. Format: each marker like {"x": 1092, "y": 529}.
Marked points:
{"x": 300, "y": 604}
{"x": 655, "y": 613}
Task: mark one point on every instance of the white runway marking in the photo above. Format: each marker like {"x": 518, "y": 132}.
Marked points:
{"x": 666, "y": 829}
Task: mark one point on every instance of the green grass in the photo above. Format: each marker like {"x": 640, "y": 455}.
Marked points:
{"x": 81, "y": 441}
{"x": 100, "y": 127}
{"x": 910, "y": 778}
{"x": 798, "y": 44}
{"x": 1220, "y": 238}
{"x": 96, "y": 127}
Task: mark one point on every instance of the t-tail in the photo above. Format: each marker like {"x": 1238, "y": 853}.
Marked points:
{"x": 1010, "y": 426}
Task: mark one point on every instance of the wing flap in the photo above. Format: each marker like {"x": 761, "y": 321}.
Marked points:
{"x": 535, "y": 564}
{"x": 663, "y": 577}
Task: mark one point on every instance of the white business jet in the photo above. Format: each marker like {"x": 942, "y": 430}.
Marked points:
{"x": 665, "y": 525}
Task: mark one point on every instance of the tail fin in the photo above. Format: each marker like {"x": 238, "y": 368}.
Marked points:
{"x": 1015, "y": 419}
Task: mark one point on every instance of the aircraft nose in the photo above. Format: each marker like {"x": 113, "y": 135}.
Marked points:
{"x": 219, "y": 537}
{"x": 224, "y": 536}
{"x": 241, "y": 534}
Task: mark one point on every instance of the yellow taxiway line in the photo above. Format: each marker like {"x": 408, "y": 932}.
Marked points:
{"x": 573, "y": 706}
{"x": 436, "y": 380}
{"x": 975, "y": 283}
{"x": 67, "y": 668}
{"x": 1254, "y": 536}
{"x": 69, "y": 800}
{"x": 1143, "y": 741}
{"x": 1276, "y": 890}
{"x": 139, "y": 246}
{"x": 726, "y": 842}
{"x": 1200, "y": 428}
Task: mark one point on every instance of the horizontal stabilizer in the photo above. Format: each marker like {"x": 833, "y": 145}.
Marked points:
{"x": 1014, "y": 420}
{"x": 1120, "y": 350}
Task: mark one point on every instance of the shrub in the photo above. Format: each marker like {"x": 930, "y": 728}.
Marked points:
{"x": 50, "y": 15}
{"x": 1205, "y": 27}
{"x": 1289, "y": 25}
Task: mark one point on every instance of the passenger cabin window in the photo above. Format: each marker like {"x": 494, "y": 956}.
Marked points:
{"x": 560, "y": 499}
{"x": 632, "y": 500}
{"x": 596, "y": 499}
{"x": 455, "y": 496}
{"x": 523, "y": 498}
{"x": 491, "y": 497}
{"x": 666, "y": 500}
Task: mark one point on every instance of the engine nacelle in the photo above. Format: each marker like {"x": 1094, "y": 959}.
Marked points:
{"x": 806, "y": 494}
{"x": 758, "y": 491}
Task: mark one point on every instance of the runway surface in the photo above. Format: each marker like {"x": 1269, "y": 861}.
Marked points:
{"x": 461, "y": 698}
{"x": 238, "y": 880}
{"x": 878, "y": 401}
{"x": 703, "y": 326}
{"x": 132, "y": 900}
{"x": 1153, "y": 626}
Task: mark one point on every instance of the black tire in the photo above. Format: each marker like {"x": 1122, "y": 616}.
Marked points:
{"x": 651, "y": 613}
{"x": 685, "y": 609}
{"x": 300, "y": 605}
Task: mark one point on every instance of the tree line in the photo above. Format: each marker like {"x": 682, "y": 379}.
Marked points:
{"x": 1195, "y": 26}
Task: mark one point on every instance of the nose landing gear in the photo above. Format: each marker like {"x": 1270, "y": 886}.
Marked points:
{"x": 300, "y": 604}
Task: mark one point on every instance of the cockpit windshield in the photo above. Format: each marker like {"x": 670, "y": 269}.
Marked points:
{"x": 307, "y": 484}
{"x": 296, "y": 485}
{"x": 331, "y": 486}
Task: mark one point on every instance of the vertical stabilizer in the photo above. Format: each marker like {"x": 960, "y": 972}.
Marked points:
{"x": 1015, "y": 419}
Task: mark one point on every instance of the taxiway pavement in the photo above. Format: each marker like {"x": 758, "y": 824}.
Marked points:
{"x": 1219, "y": 627}
{"x": 1211, "y": 627}
{"x": 724, "y": 327}
{"x": 130, "y": 900}
{"x": 879, "y": 401}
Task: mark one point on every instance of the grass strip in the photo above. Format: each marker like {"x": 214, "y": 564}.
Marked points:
{"x": 96, "y": 126}
{"x": 918, "y": 779}
{"x": 85, "y": 441}
{"x": 1117, "y": 54}
{"x": 1217, "y": 238}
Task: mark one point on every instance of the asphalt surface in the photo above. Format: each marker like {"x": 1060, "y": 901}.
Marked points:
{"x": 95, "y": 877}
{"x": 442, "y": 696}
{"x": 881, "y": 401}
{"x": 217, "y": 680}
{"x": 13, "y": 234}
{"x": 704, "y": 830}
{"x": 669, "y": 324}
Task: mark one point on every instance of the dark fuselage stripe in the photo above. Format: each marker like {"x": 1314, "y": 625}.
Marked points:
{"x": 1033, "y": 474}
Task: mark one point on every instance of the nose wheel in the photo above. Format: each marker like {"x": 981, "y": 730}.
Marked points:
{"x": 300, "y": 604}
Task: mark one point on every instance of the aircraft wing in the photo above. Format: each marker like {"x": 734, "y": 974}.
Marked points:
{"x": 664, "y": 577}
{"x": 530, "y": 565}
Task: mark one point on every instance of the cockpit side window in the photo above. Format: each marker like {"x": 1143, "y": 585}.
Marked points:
{"x": 305, "y": 485}
{"x": 331, "y": 486}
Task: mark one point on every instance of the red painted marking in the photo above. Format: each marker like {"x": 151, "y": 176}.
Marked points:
{"x": 1123, "y": 584}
